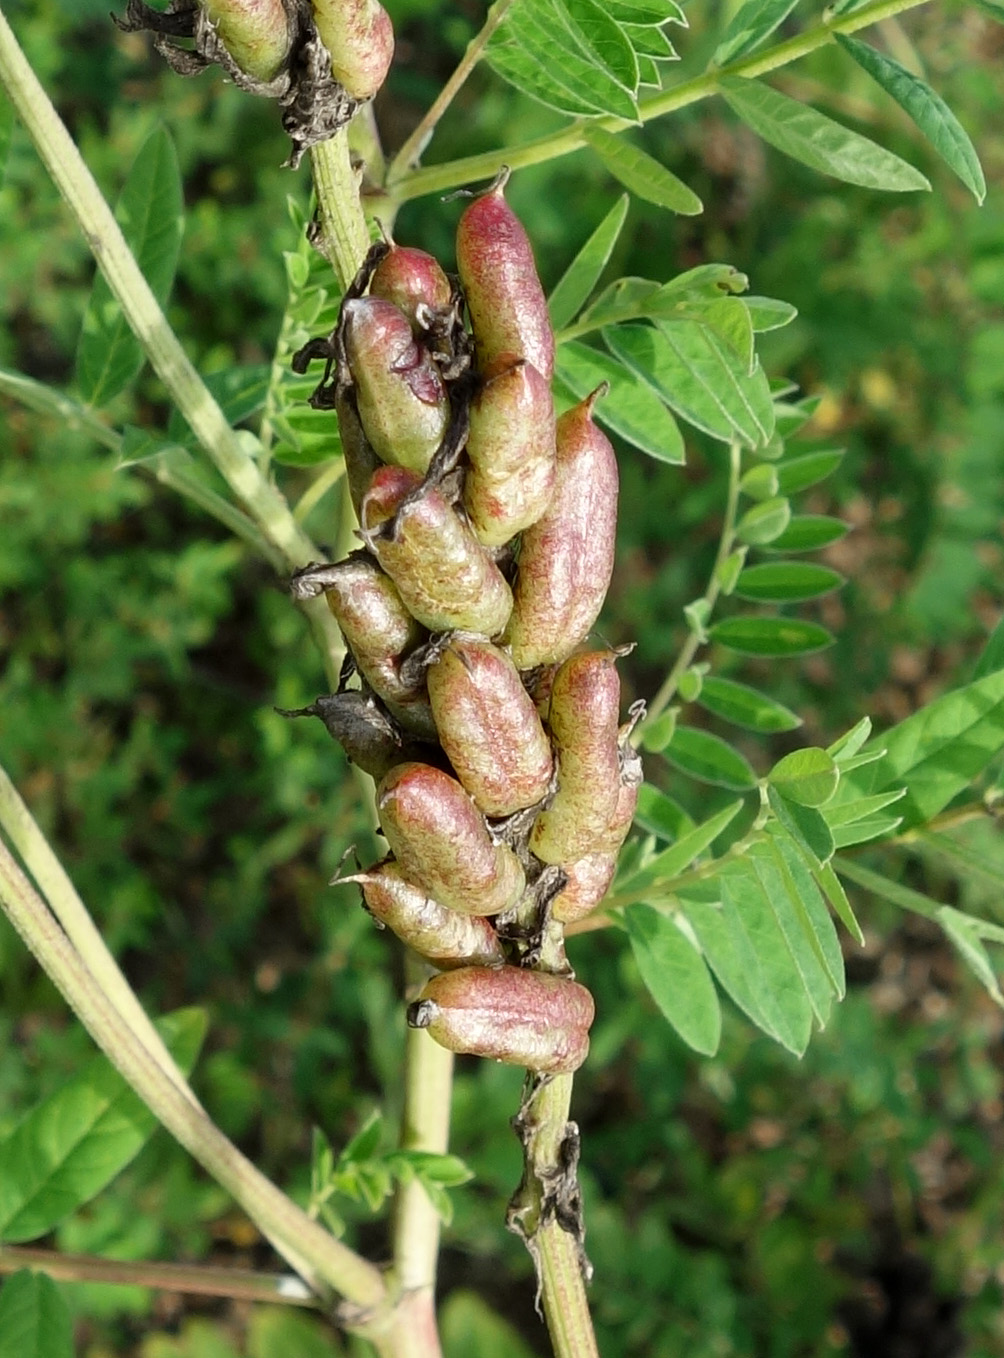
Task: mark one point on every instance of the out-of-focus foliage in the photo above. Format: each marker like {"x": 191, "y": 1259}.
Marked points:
{"x": 739, "y": 1205}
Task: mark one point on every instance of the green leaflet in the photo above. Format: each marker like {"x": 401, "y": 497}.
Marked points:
{"x": 817, "y": 141}
{"x": 630, "y": 408}
{"x": 709, "y": 758}
{"x": 799, "y": 473}
{"x": 768, "y": 313}
{"x": 754, "y": 21}
{"x": 936, "y": 753}
{"x": 678, "y": 857}
{"x": 150, "y": 212}
{"x": 642, "y": 174}
{"x": 582, "y": 275}
{"x": 808, "y": 776}
{"x": 745, "y": 706}
{"x": 927, "y": 109}
{"x": 676, "y": 976}
{"x": 771, "y": 636}
{"x": 785, "y": 582}
{"x": 809, "y": 532}
{"x": 34, "y": 1319}
{"x": 802, "y": 917}
{"x": 805, "y": 825}
{"x": 76, "y": 1141}
{"x": 661, "y": 815}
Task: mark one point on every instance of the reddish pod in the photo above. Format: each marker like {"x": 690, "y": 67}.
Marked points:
{"x": 506, "y": 302}
{"x": 524, "y": 1018}
{"x": 444, "y": 936}
{"x": 443, "y": 574}
{"x": 439, "y": 838}
{"x": 359, "y": 38}
{"x": 567, "y": 557}
{"x": 414, "y": 281}
{"x": 402, "y": 402}
{"x": 488, "y": 726}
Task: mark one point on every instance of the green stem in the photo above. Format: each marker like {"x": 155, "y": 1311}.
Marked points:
{"x": 323, "y": 1262}
{"x": 456, "y": 173}
{"x": 141, "y": 309}
{"x": 411, "y": 152}
{"x": 239, "y": 1284}
{"x": 342, "y": 237}
{"x": 726, "y": 542}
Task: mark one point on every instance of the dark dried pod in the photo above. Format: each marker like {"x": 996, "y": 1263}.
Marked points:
{"x": 414, "y": 281}
{"x": 361, "y": 460}
{"x": 444, "y": 936}
{"x": 443, "y": 574}
{"x": 567, "y": 557}
{"x": 401, "y": 398}
{"x": 488, "y": 726}
{"x": 583, "y": 720}
{"x": 359, "y": 39}
{"x": 506, "y": 302}
{"x": 363, "y": 729}
{"x": 511, "y": 447}
{"x": 524, "y": 1018}
{"x": 439, "y": 838}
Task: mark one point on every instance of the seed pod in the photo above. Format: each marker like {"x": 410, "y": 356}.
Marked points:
{"x": 412, "y": 280}
{"x": 440, "y": 839}
{"x": 567, "y": 557}
{"x": 588, "y": 880}
{"x": 443, "y": 936}
{"x": 254, "y": 32}
{"x": 402, "y": 401}
{"x": 360, "y": 459}
{"x": 524, "y": 1018}
{"x": 583, "y": 719}
{"x": 511, "y": 450}
{"x": 488, "y": 726}
{"x": 504, "y": 296}
{"x": 362, "y": 729}
{"x": 359, "y": 39}
{"x": 443, "y": 574}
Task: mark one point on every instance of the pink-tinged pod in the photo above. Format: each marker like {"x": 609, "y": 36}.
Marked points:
{"x": 359, "y": 39}
{"x": 413, "y": 280}
{"x": 567, "y": 557}
{"x": 488, "y": 726}
{"x": 439, "y": 838}
{"x": 443, "y": 936}
{"x": 524, "y": 1018}
{"x": 360, "y": 459}
{"x": 504, "y": 297}
{"x": 511, "y": 447}
{"x": 588, "y": 881}
{"x": 585, "y": 702}
{"x": 254, "y": 32}
{"x": 401, "y": 399}
{"x": 443, "y": 574}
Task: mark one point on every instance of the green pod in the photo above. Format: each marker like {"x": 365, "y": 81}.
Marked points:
{"x": 589, "y": 878}
{"x": 254, "y": 32}
{"x": 414, "y": 281}
{"x": 443, "y": 574}
{"x": 363, "y": 730}
{"x": 359, "y": 38}
{"x": 444, "y": 936}
{"x": 511, "y": 448}
{"x": 402, "y": 401}
{"x": 488, "y": 726}
{"x": 439, "y": 838}
{"x": 360, "y": 459}
{"x": 505, "y": 300}
{"x": 585, "y": 703}
{"x": 567, "y": 557}
{"x": 524, "y": 1018}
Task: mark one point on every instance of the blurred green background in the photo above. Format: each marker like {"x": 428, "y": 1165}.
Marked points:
{"x": 850, "y": 1203}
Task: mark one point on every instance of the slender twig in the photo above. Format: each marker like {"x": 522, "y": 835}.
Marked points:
{"x": 694, "y": 641}
{"x": 343, "y": 237}
{"x": 318, "y": 488}
{"x": 284, "y": 1289}
{"x": 324, "y": 1263}
{"x": 411, "y": 152}
{"x": 470, "y": 169}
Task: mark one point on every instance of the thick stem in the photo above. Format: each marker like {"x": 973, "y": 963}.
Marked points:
{"x": 457, "y": 173}
{"x": 324, "y": 1263}
{"x": 141, "y": 309}
{"x": 342, "y": 237}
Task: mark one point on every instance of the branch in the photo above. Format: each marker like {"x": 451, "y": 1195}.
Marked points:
{"x": 457, "y": 173}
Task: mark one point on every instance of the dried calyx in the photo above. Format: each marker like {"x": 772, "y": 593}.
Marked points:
{"x": 506, "y": 782}
{"x": 319, "y": 58}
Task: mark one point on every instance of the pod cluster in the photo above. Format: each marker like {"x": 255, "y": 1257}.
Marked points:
{"x": 319, "y": 58}
{"x": 506, "y": 782}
